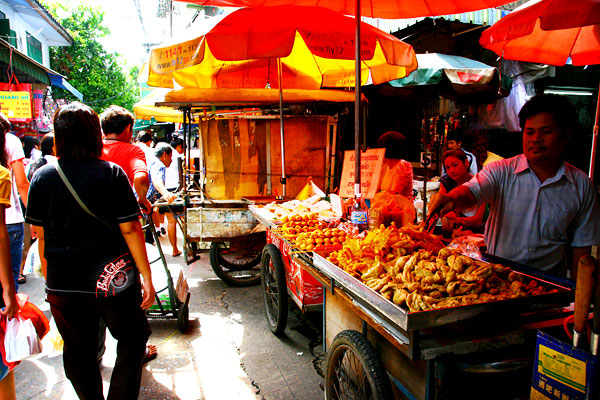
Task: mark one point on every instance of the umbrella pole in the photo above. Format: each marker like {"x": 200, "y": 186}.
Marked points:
{"x": 357, "y": 119}
{"x": 283, "y": 179}
{"x": 595, "y": 138}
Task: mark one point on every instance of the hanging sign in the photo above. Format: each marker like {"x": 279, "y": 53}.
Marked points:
{"x": 16, "y": 106}
{"x": 371, "y": 168}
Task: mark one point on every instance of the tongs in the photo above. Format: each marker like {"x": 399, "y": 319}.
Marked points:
{"x": 431, "y": 222}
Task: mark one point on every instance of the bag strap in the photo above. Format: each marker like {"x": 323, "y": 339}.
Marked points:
{"x": 77, "y": 198}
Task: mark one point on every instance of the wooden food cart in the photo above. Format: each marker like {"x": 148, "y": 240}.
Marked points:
{"x": 379, "y": 350}
{"x": 240, "y": 159}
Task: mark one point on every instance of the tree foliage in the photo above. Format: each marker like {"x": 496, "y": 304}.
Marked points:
{"x": 96, "y": 73}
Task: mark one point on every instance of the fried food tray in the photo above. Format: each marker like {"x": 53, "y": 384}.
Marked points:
{"x": 409, "y": 321}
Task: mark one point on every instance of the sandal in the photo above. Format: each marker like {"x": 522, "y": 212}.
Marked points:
{"x": 151, "y": 353}
{"x": 177, "y": 254}
{"x": 22, "y": 279}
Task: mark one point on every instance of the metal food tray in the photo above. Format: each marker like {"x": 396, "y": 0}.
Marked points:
{"x": 409, "y": 321}
{"x": 263, "y": 216}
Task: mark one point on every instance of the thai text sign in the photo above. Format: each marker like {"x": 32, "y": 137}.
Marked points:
{"x": 371, "y": 167}
{"x": 16, "y": 105}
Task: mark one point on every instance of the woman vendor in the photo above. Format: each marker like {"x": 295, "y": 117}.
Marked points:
{"x": 456, "y": 164}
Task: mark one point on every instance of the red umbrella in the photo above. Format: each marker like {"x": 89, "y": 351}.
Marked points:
{"x": 550, "y": 32}
{"x": 391, "y": 9}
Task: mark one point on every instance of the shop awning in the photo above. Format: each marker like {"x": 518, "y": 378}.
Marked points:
{"x": 61, "y": 82}
{"x": 27, "y": 70}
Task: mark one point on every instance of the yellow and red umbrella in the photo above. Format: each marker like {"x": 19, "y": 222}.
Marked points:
{"x": 298, "y": 47}
{"x": 551, "y": 32}
{"x": 315, "y": 46}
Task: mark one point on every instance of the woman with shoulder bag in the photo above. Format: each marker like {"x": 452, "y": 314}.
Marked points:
{"x": 92, "y": 251}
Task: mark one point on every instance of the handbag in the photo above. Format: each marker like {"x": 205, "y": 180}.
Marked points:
{"x": 118, "y": 274}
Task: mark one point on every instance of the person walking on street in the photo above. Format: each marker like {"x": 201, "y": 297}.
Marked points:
{"x": 92, "y": 253}
{"x": 158, "y": 167}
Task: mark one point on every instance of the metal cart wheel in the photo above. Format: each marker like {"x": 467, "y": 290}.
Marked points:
{"x": 183, "y": 315}
{"x": 274, "y": 289}
{"x": 237, "y": 262}
{"x": 354, "y": 369}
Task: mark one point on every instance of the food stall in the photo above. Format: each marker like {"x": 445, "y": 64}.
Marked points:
{"x": 236, "y": 158}
{"x": 391, "y": 330}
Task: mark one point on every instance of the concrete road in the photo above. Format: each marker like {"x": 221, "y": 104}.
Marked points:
{"x": 228, "y": 352}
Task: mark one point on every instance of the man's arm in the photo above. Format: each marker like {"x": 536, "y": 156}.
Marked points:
{"x": 160, "y": 187}
{"x": 458, "y": 199}
{"x": 573, "y": 256}
{"x": 21, "y": 179}
{"x": 141, "y": 183}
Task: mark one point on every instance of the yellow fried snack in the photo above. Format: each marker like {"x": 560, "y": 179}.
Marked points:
{"x": 413, "y": 269}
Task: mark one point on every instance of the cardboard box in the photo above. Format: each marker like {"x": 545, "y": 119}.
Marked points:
{"x": 563, "y": 372}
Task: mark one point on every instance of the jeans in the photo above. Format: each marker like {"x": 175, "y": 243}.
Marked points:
{"x": 77, "y": 318}
{"x": 15, "y": 235}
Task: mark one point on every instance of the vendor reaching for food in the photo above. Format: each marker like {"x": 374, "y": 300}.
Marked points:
{"x": 457, "y": 164}
{"x": 544, "y": 212}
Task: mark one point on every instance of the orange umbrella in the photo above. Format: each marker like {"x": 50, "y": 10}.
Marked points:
{"x": 391, "y": 9}
{"x": 551, "y": 32}
{"x": 548, "y": 32}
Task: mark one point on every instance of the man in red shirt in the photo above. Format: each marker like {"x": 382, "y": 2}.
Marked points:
{"x": 117, "y": 125}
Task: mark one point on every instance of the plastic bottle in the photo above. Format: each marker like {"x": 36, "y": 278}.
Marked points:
{"x": 359, "y": 214}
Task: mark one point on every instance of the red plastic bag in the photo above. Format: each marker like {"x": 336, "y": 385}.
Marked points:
{"x": 27, "y": 310}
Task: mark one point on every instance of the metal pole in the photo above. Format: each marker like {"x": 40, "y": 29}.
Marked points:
{"x": 279, "y": 78}
{"x": 595, "y": 138}
{"x": 357, "y": 114}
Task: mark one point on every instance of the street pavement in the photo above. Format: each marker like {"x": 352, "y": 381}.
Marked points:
{"x": 227, "y": 353}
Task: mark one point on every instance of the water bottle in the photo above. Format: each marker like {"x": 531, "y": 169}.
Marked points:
{"x": 359, "y": 214}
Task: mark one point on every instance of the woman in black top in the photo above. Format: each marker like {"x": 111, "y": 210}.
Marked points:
{"x": 92, "y": 263}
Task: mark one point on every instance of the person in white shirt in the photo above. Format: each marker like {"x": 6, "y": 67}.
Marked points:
{"x": 172, "y": 174}
{"x": 20, "y": 188}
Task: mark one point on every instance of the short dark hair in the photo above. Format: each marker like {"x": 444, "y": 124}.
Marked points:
{"x": 115, "y": 119}
{"x": 47, "y": 145}
{"x": 176, "y": 142}
{"x": 77, "y": 132}
{"x": 559, "y": 106}
{"x": 162, "y": 148}
{"x": 144, "y": 136}
{"x": 454, "y": 135}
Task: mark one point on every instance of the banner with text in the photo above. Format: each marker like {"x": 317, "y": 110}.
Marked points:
{"x": 16, "y": 106}
{"x": 371, "y": 168}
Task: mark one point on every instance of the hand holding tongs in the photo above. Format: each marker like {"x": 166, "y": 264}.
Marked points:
{"x": 431, "y": 221}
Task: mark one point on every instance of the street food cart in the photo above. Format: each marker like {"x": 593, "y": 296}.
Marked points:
{"x": 377, "y": 349}
{"x": 236, "y": 162}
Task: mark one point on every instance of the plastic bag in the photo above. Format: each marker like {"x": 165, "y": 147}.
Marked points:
{"x": 21, "y": 340}
{"x": 309, "y": 190}
{"x": 53, "y": 342}
{"x": 398, "y": 178}
{"x": 32, "y": 261}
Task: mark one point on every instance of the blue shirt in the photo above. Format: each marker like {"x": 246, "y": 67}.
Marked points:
{"x": 157, "y": 172}
{"x": 534, "y": 223}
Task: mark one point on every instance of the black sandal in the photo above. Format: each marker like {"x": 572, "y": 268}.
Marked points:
{"x": 22, "y": 279}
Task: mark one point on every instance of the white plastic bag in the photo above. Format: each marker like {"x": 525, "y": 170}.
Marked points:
{"x": 21, "y": 340}
{"x": 53, "y": 341}
{"x": 32, "y": 261}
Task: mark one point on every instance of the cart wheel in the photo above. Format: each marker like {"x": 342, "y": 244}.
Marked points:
{"x": 274, "y": 289}
{"x": 236, "y": 262}
{"x": 183, "y": 315}
{"x": 354, "y": 369}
